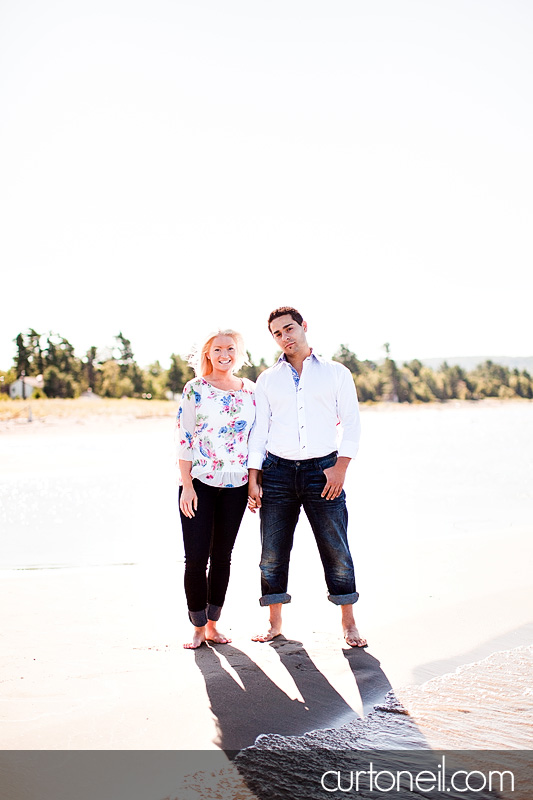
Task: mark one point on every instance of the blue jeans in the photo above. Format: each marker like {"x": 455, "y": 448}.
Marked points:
{"x": 287, "y": 486}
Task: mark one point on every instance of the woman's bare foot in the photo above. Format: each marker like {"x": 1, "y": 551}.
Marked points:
{"x": 275, "y": 625}
{"x": 212, "y": 635}
{"x": 198, "y": 638}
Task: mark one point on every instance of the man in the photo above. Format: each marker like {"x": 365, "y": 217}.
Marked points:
{"x": 293, "y": 462}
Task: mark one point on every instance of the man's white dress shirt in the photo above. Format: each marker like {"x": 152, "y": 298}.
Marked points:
{"x": 306, "y": 417}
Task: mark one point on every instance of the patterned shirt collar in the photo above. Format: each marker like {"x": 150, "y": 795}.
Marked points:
{"x": 314, "y": 355}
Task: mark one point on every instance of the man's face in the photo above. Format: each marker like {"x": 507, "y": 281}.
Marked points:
{"x": 289, "y": 336}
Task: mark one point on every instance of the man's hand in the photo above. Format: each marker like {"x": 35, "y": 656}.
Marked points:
{"x": 335, "y": 477}
{"x": 188, "y": 501}
{"x": 255, "y": 490}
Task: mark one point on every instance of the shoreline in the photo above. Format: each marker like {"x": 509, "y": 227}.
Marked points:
{"x": 85, "y": 410}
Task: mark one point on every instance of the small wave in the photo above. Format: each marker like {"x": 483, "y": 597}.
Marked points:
{"x": 484, "y": 705}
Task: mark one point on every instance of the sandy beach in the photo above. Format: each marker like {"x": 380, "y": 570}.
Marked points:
{"x": 440, "y": 504}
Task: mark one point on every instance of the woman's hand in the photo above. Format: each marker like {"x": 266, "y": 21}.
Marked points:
{"x": 255, "y": 490}
{"x": 188, "y": 501}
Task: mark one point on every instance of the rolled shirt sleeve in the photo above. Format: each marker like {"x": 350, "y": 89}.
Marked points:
{"x": 348, "y": 413}
{"x": 185, "y": 425}
{"x": 257, "y": 443}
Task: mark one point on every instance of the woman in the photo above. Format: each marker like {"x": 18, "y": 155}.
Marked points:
{"x": 214, "y": 421}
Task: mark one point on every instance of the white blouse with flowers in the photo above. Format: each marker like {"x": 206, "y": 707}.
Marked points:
{"x": 212, "y": 430}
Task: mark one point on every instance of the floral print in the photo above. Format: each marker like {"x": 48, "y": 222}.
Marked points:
{"x": 212, "y": 430}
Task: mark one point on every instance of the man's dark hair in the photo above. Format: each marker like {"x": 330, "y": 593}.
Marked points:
{"x": 281, "y": 311}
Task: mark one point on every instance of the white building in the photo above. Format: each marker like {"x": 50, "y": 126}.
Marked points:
{"x": 23, "y": 387}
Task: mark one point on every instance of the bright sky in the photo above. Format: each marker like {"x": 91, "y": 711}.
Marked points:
{"x": 171, "y": 166}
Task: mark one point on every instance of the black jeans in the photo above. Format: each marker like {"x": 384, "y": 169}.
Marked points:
{"x": 209, "y": 537}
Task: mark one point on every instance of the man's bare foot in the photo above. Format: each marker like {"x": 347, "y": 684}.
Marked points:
{"x": 275, "y": 625}
{"x": 212, "y": 635}
{"x": 353, "y": 638}
{"x": 198, "y": 638}
{"x": 268, "y": 636}
{"x": 349, "y": 628}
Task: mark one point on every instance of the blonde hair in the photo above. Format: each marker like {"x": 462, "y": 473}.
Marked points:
{"x": 200, "y": 362}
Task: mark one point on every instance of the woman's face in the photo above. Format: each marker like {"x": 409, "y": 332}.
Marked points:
{"x": 222, "y": 353}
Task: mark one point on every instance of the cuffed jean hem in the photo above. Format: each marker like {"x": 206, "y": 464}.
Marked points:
{"x": 343, "y": 599}
{"x": 270, "y": 599}
{"x": 198, "y": 618}
{"x": 213, "y": 612}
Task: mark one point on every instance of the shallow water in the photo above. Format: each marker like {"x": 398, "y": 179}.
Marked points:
{"x": 74, "y": 495}
{"x": 84, "y": 495}
{"x": 485, "y": 705}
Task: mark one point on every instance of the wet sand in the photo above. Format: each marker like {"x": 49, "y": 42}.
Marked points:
{"x": 440, "y": 504}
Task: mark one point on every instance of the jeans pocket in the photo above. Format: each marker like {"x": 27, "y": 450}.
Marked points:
{"x": 268, "y": 463}
{"x": 326, "y": 463}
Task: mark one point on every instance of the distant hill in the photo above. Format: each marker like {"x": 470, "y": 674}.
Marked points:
{"x": 471, "y": 362}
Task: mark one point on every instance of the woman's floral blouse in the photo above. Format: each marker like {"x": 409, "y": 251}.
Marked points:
{"x": 212, "y": 430}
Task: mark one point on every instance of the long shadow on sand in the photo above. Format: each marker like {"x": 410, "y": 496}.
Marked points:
{"x": 371, "y": 681}
{"x": 262, "y": 707}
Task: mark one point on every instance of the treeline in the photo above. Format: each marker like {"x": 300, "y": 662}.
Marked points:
{"x": 114, "y": 372}
{"x": 107, "y": 372}
{"x": 415, "y": 383}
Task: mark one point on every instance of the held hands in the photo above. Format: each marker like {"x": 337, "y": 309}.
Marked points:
{"x": 188, "y": 501}
{"x": 255, "y": 491}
